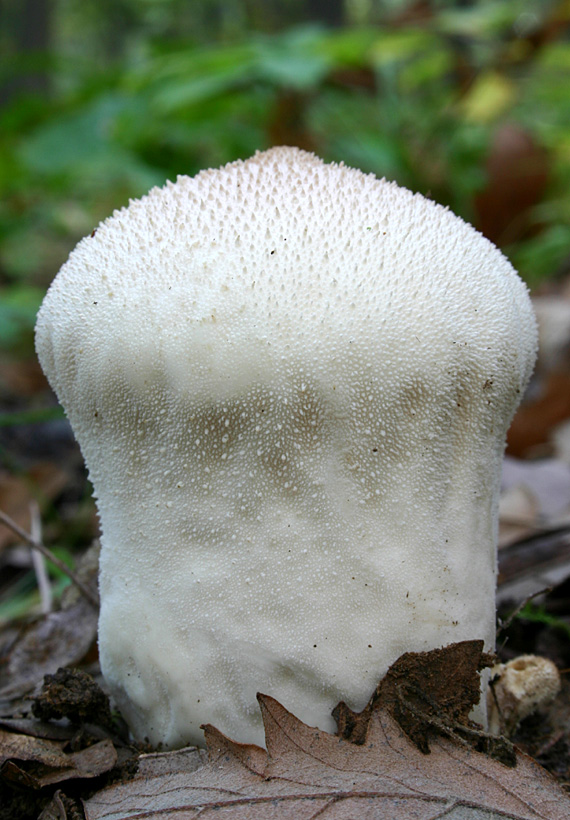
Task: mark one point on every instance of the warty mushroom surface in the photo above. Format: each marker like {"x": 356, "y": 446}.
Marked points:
{"x": 291, "y": 383}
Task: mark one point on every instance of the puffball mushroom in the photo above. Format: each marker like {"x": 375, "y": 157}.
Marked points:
{"x": 291, "y": 383}
{"x": 519, "y": 688}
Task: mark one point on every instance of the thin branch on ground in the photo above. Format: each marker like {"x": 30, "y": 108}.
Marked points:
{"x": 91, "y": 596}
{"x": 39, "y": 560}
{"x": 503, "y": 625}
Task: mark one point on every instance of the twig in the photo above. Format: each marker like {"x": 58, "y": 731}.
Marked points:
{"x": 505, "y": 624}
{"x": 92, "y": 597}
{"x": 39, "y": 560}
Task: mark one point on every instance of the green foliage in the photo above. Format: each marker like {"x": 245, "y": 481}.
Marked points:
{"x": 31, "y": 416}
{"x": 538, "y": 614}
{"x": 18, "y": 308}
{"x": 23, "y": 597}
{"x": 419, "y": 102}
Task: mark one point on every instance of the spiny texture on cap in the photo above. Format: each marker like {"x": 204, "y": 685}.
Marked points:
{"x": 291, "y": 383}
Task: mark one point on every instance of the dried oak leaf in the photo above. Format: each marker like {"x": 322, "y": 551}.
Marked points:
{"x": 427, "y": 693}
{"x": 34, "y": 762}
{"x": 307, "y": 773}
{"x": 61, "y": 807}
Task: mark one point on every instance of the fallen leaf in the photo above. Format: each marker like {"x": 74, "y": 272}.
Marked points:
{"x": 38, "y": 728}
{"x": 59, "y": 639}
{"x": 24, "y": 747}
{"x": 87, "y": 763}
{"x": 49, "y": 763}
{"x": 533, "y": 565}
{"x": 426, "y": 692}
{"x": 307, "y": 773}
{"x": 57, "y": 808}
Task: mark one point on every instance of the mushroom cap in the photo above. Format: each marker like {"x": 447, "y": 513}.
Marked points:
{"x": 210, "y": 282}
{"x": 291, "y": 383}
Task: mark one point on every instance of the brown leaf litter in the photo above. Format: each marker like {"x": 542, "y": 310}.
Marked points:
{"x": 412, "y": 752}
{"x": 378, "y": 772}
{"x": 61, "y": 638}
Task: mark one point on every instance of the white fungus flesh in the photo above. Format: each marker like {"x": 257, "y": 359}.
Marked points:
{"x": 291, "y": 383}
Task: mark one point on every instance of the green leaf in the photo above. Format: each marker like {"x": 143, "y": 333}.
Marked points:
{"x": 398, "y": 46}
{"x": 192, "y": 76}
{"x": 484, "y": 19}
{"x": 84, "y": 146}
{"x": 540, "y": 257}
{"x": 293, "y": 60}
{"x": 490, "y": 96}
{"x": 347, "y": 47}
{"x": 538, "y": 614}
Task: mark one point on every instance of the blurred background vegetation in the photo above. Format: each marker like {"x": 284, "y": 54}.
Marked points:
{"x": 466, "y": 101}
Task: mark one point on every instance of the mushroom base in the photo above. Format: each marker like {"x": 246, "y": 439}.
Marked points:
{"x": 300, "y": 572}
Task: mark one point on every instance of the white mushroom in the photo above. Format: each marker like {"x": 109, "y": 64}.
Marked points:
{"x": 291, "y": 383}
{"x": 519, "y": 688}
